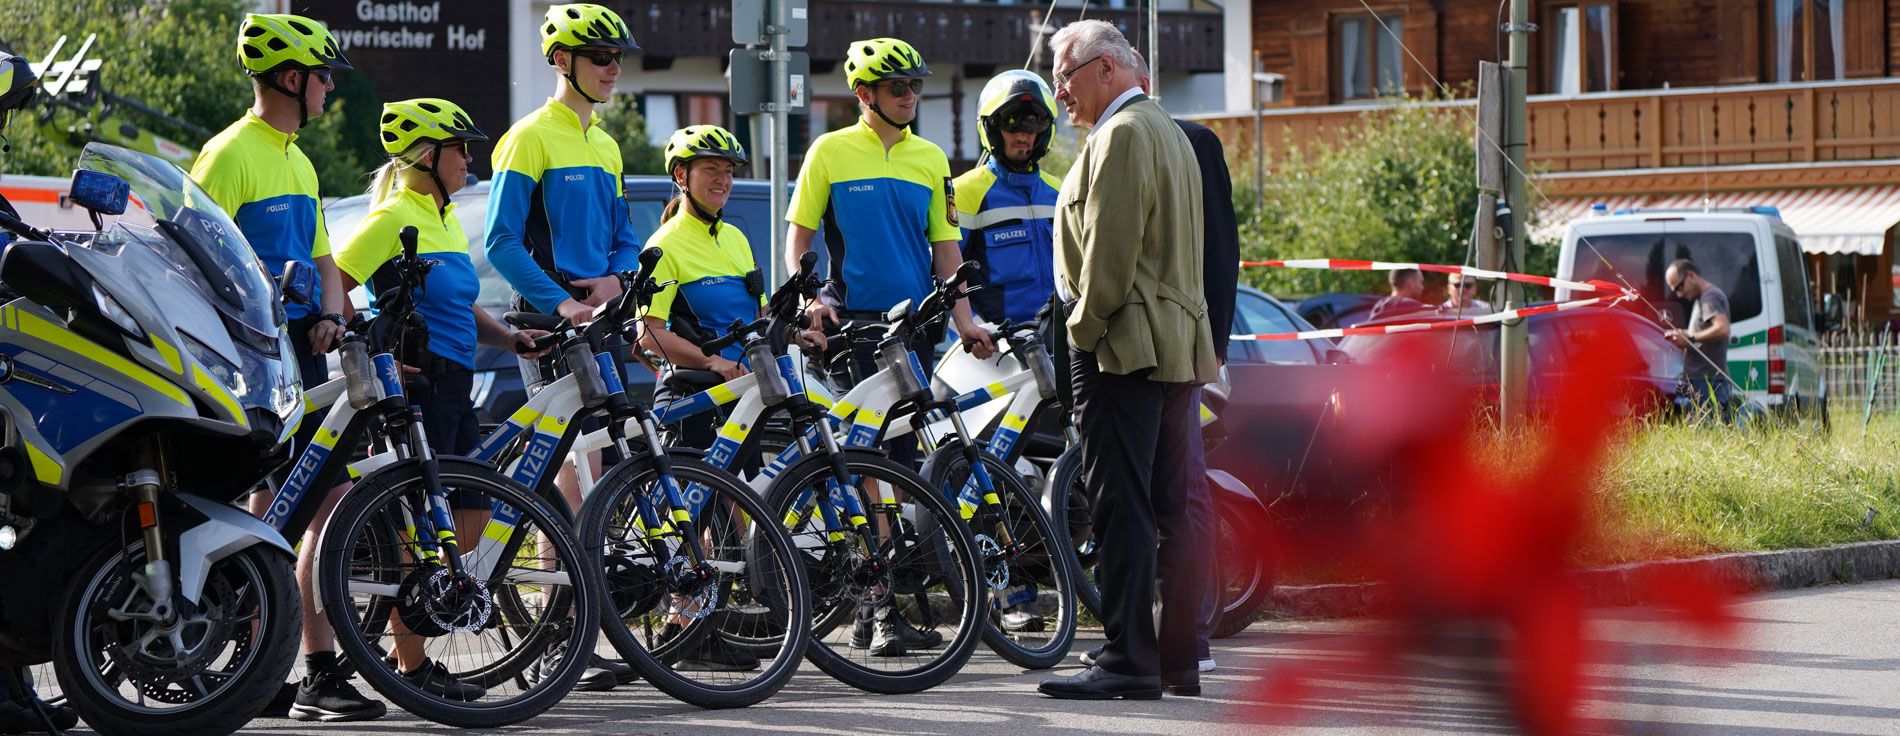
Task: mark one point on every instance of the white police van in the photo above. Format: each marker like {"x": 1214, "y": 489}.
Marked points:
{"x": 1752, "y": 256}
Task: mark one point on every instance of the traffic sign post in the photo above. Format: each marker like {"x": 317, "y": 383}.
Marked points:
{"x": 773, "y": 81}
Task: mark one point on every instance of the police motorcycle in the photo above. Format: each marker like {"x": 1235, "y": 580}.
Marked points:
{"x": 146, "y": 384}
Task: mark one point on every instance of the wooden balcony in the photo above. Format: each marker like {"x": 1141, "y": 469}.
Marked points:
{"x": 945, "y": 33}
{"x": 1648, "y": 129}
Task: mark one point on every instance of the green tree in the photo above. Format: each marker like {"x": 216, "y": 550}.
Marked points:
{"x": 620, "y": 117}
{"x": 179, "y": 57}
{"x": 1399, "y": 187}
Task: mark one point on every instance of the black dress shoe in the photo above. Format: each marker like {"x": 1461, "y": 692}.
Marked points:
{"x": 1181, "y": 683}
{"x": 1096, "y": 683}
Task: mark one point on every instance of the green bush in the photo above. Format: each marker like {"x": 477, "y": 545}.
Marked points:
{"x": 1400, "y": 188}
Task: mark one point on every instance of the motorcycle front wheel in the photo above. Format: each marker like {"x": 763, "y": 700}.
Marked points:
{"x": 207, "y": 670}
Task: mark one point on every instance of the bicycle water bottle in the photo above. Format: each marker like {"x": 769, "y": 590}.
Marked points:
{"x": 359, "y": 377}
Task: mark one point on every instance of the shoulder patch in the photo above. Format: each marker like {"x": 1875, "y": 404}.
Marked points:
{"x": 950, "y": 201}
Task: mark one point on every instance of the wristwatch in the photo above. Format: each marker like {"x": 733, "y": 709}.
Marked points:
{"x": 333, "y": 317}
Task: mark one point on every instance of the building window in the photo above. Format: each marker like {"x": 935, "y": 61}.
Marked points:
{"x": 1582, "y": 49}
{"x": 1806, "y": 40}
{"x": 1369, "y": 57}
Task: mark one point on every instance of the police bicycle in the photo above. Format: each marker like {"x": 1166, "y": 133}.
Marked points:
{"x": 391, "y": 568}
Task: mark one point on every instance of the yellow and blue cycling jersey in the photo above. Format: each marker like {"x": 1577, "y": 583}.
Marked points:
{"x": 556, "y": 205}
{"x": 447, "y": 298}
{"x": 1008, "y": 221}
{"x": 711, "y": 272}
{"x": 261, "y": 179}
{"x": 879, "y": 212}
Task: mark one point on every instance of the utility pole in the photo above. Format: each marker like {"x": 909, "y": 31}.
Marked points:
{"x": 1514, "y": 353}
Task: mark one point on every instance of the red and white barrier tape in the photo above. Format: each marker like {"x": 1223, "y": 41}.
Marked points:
{"x": 1614, "y": 294}
{"x": 1340, "y": 264}
{"x": 1442, "y": 325}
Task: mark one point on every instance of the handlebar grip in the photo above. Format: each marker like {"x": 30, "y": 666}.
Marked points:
{"x": 718, "y": 345}
{"x": 408, "y": 237}
{"x": 807, "y": 262}
{"x": 966, "y": 272}
{"x": 550, "y": 340}
{"x": 533, "y": 321}
{"x": 649, "y": 258}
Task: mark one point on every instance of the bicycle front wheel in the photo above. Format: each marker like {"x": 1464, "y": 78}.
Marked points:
{"x": 906, "y": 593}
{"x": 1030, "y": 581}
{"x": 504, "y": 639}
{"x": 725, "y": 632}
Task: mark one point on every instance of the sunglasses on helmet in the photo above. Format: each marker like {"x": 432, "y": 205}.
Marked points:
{"x": 1024, "y": 124}
{"x": 901, "y": 88}
{"x": 600, "y": 58}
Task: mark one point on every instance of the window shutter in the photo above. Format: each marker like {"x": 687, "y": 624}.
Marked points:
{"x": 1421, "y": 36}
{"x": 1738, "y": 27}
{"x": 1312, "y": 63}
{"x": 1866, "y": 52}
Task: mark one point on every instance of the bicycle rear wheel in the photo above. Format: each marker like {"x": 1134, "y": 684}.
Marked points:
{"x": 1031, "y": 606}
{"x": 916, "y": 622}
{"x": 484, "y": 625}
{"x": 727, "y": 639}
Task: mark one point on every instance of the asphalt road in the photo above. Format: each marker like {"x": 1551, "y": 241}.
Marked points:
{"x": 1808, "y": 662}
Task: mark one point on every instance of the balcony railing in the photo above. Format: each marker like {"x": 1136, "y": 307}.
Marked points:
{"x": 945, "y": 33}
{"x": 1755, "y": 124}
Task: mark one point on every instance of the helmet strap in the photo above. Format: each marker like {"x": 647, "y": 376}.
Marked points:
{"x": 435, "y": 162}
{"x": 303, "y": 108}
{"x": 711, "y": 219}
{"x": 573, "y": 61}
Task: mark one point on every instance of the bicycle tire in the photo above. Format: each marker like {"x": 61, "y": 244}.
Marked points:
{"x": 368, "y": 506}
{"x": 1044, "y": 561}
{"x": 632, "y": 593}
{"x": 1068, "y": 511}
{"x": 917, "y": 565}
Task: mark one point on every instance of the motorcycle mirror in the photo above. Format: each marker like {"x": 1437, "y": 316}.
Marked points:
{"x": 44, "y": 274}
{"x": 299, "y": 282}
{"x": 100, "y": 193}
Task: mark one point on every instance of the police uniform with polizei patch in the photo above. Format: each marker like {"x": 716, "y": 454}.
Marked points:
{"x": 717, "y": 284}
{"x": 879, "y": 212}
{"x": 1009, "y": 227}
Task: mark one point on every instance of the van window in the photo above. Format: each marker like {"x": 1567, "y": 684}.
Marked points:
{"x": 1727, "y": 260}
{"x": 1795, "y": 309}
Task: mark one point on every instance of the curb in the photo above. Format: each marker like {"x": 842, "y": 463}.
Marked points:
{"x": 1616, "y": 585}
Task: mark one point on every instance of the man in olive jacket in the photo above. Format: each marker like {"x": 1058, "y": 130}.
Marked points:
{"x": 1128, "y": 259}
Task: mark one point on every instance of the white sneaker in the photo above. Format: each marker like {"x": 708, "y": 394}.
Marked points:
{"x": 1207, "y": 665}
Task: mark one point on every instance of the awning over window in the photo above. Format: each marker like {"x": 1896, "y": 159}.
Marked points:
{"x": 1850, "y": 220}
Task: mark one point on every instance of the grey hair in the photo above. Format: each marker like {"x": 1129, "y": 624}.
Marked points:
{"x": 1087, "y": 39}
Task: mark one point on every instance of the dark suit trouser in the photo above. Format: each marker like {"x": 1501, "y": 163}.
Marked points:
{"x": 1134, "y": 434}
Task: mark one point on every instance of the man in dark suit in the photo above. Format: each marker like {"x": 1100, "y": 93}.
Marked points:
{"x": 1128, "y": 230}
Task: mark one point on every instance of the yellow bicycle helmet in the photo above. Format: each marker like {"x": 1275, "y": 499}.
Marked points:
{"x": 703, "y": 141}
{"x": 1012, "y": 94}
{"x": 406, "y": 122}
{"x": 584, "y": 24}
{"x": 268, "y": 43}
{"x": 869, "y": 61}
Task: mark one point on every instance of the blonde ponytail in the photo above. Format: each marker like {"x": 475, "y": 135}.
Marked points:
{"x": 384, "y": 180}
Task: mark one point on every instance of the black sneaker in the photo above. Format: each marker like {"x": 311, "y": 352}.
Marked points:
{"x": 594, "y": 679}
{"x": 916, "y": 638}
{"x": 433, "y": 678}
{"x": 329, "y": 697}
{"x": 715, "y": 654}
{"x": 622, "y": 673}
{"x": 18, "y": 718}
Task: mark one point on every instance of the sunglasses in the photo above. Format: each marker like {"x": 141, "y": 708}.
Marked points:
{"x": 904, "y": 87}
{"x": 1025, "y": 124}
{"x": 1676, "y": 288}
{"x": 322, "y": 74}
{"x": 600, "y": 58}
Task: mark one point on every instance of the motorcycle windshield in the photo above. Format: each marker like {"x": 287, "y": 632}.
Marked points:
{"x": 217, "y": 257}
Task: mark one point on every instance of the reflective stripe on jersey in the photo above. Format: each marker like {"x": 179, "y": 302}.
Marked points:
{"x": 711, "y": 275}
{"x": 879, "y": 212}
{"x": 1008, "y": 225}
{"x": 446, "y": 298}
{"x": 557, "y": 202}
{"x": 268, "y": 187}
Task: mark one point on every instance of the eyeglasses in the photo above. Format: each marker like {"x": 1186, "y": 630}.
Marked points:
{"x": 1025, "y": 124}
{"x": 1468, "y": 286}
{"x": 600, "y": 58}
{"x": 321, "y": 73}
{"x": 1062, "y": 78}
{"x": 902, "y": 88}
